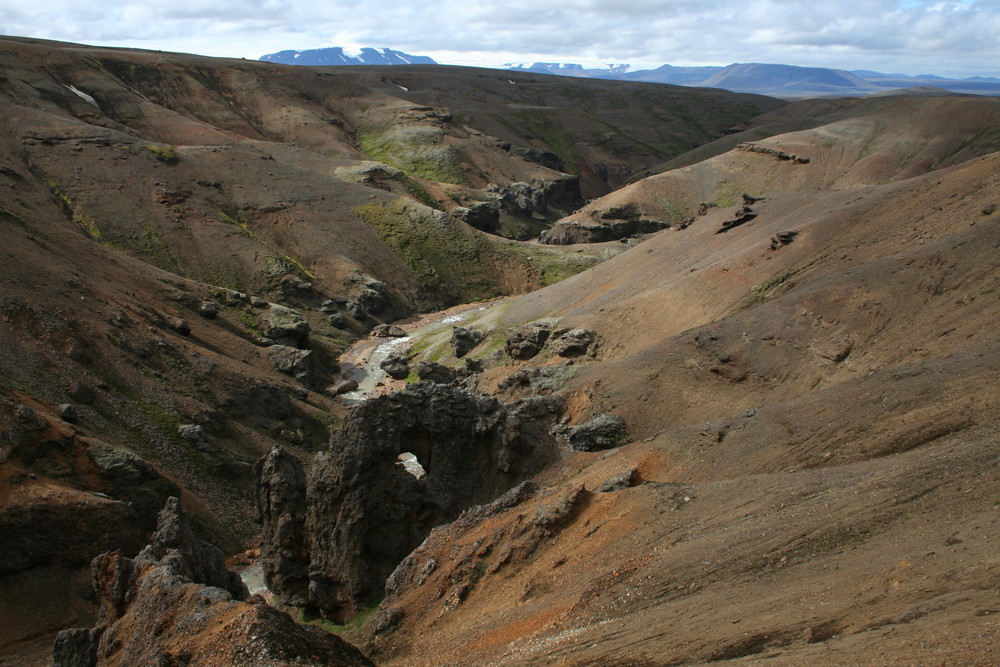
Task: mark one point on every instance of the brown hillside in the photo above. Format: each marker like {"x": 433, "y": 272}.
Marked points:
{"x": 812, "y": 474}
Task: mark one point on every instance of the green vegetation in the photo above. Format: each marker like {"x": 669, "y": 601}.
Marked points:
{"x": 8, "y": 214}
{"x": 150, "y": 245}
{"x": 76, "y": 212}
{"x": 349, "y": 631}
{"x": 553, "y": 265}
{"x": 419, "y": 151}
{"x": 452, "y": 260}
{"x": 278, "y": 265}
{"x": 771, "y": 285}
{"x": 726, "y": 194}
{"x": 165, "y": 154}
{"x": 540, "y": 125}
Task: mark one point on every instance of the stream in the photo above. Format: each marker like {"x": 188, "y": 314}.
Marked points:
{"x": 362, "y": 361}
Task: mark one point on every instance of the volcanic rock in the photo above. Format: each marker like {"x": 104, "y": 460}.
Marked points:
{"x": 342, "y": 387}
{"x": 603, "y": 432}
{"x": 396, "y": 366}
{"x": 286, "y": 327}
{"x": 388, "y": 331}
{"x": 464, "y": 340}
{"x": 435, "y": 372}
{"x": 292, "y": 361}
{"x": 527, "y": 340}
{"x": 284, "y": 550}
{"x": 574, "y": 343}
{"x": 176, "y": 603}
{"x": 366, "y": 512}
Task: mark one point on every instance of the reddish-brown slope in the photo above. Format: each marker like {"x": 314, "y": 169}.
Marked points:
{"x": 815, "y": 442}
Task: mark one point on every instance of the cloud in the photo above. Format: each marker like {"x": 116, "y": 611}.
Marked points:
{"x": 950, "y": 37}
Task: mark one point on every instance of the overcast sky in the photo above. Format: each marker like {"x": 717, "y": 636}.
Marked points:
{"x": 955, "y": 38}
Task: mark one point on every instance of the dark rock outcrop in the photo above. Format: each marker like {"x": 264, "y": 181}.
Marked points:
{"x": 464, "y": 340}
{"x": 542, "y": 157}
{"x": 743, "y": 215}
{"x": 527, "y": 340}
{"x": 388, "y": 331}
{"x": 285, "y": 326}
{"x": 292, "y": 361}
{"x": 281, "y": 504}
{"x": 574, "y": 343}
{"x": 570, "y": 231}
{"x": 435, "y": 372}
{"x": 603, "y": 432}
{"x": 176, "y": 603}
{"x": 484, "y": 216}
{"x": 366, "y": 512}
{"x": 396, "y": 366}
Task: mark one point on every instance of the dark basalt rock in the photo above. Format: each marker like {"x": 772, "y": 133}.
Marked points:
{"x": 527, "y": 340}
{"x": 284, "y": 550}
{"x": 435, "y": 372}
{"x": 743, "y": 215}
{"x": 603, "y": 432}
{"x": 292, "y": 361}
{"x": 176, "y": 603}
{"x": 286, "y": 327}
{"x": 484, "y": 216}
{"x": 464, "y": 340}
{"x": 396, "y": 366}
{"x": 574, "y": 343}
{"x": 568, "y": 232}
{"x": 366, "y": 512}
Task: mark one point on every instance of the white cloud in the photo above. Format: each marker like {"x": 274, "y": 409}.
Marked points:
{"x": 949, "y": 38}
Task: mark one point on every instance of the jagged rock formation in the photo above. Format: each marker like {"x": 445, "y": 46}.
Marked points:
{"x": 281, "y": 497}
{"x": 176, "y": 603}
{"x": 570, "y": 231}
{"x": 464, "y": 340}
{"x": 366, "y": 512}
{"x": 527, "y": 340}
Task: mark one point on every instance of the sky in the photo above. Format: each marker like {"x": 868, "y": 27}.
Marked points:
{"x": 954, "y": 38}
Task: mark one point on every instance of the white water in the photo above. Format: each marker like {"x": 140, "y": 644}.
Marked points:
{"x": 369, "y": 373}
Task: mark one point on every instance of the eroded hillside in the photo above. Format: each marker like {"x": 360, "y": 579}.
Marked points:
{"x": 767, "y": 432}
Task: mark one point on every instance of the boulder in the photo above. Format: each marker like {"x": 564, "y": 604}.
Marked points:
{"x": 67, "y": 412}
{"x": 388, "y": 331}
{"x": 527, "y": 340}
{"x": 574, "y": 343}
{"x": 603, "y": 432}
{"x": 435, "y": 372}
{"x": 396, "y": 366}
{"x": 191, "y": 432}
{"x": 208, "y": 309}
{"x": 292, "y": 361}
{"x": 464, "y": 340}
{"x": 342, "y": 387}
{"x": 286, "y": 327}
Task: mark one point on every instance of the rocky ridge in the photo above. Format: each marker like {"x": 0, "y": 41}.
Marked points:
{"x": 176, "y": 602}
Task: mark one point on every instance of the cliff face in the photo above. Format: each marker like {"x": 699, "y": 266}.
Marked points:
{"x": 177, "y": 603}
{"x": 365, "y": 509}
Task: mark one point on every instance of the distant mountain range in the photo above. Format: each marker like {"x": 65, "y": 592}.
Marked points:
{"x": 339, "y": 56}
{"x": 776, "y": 80}
{"x": 765, "y": 79}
